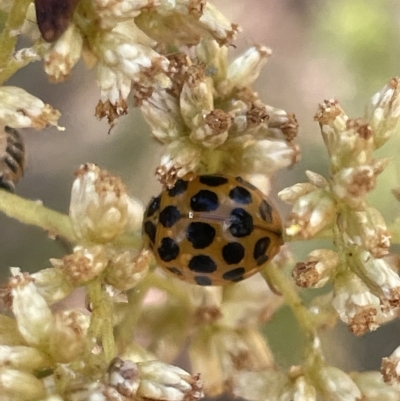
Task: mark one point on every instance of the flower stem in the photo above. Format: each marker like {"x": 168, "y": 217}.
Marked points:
{"x": 101, "y": 327}
{"x": 8, "y": 37}
{"x": 34, "y": 213}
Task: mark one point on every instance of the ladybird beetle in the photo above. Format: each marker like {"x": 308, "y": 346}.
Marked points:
{"x": 212, "y": 230}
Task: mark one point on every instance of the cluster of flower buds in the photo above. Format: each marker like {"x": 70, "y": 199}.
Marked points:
{"x": 329, "y": 383}
{"x": 222, "y": 324}
{"x": 211, "y": 120}
{"x": 126, "y": 40}
{"x": 366, "y": 284}
{"x": 101, "y": 211}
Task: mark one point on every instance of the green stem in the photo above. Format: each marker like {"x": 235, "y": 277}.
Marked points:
{"x": 286, "y": 287}
{"x": 34, "y": 213}
{"x": 101, "y": 325}
{"x": 22, "y": 59}
{"x": 8, "y": 37}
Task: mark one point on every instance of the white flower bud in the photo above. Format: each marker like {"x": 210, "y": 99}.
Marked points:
{"x": 160, "y": 381}
{"x": 135, "y": 214}
{"x": 355, "y": 304}
{"x": 83, "y": 265}
{"x": 181, "y": 157}
{"x": 52, "y": 284}
{"x": 281, "y": 124}
{"x": 353, "y": 184}
{"x": 367, "y": 229}
{"x": 23, "y": 357}
{"x": 311, "y": 213}
{"x": 124, "y": 377}
{"x": 390, "y": 368}
{"x": 162, "y": 113}
{"x": 349, "y": 142}
{"x": 211, "y": 129}
{"x": 63, "y": 56}
{"x": 128, "y": 268}
{"x": 70, "y": 330}
{"x": 215, "y": 22}
{"x": 111, "y": 12}
{"x": 128, "y": 55}
{"x": 19, "y": 109}
{"x": 99, "y": 205}
{"x": 316, "y": 179}
{"x": 243, "y": 71}
{"x": 292, "y": 194}
{"x": 215, "y": 56}
{"x": 263, "y": 157}
{"x": 196, "y": 96}
{"x": 383, "y": 112}
{"x": 34, "y": 318}
{"x": 379, "y": 275}
{"x": 373, "y": 388}
{"x": 115, "y": 88}
{"x": 336, "y": 385}
{"x": 317, "y": 269}
{"x": 16, "y": 385}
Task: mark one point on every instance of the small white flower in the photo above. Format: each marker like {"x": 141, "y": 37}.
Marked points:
{"x": 99, "y": 205}
{"x": 378, "y": 272}
{"x": 367, "y": 228}
{"x": 244, "y": 70}
{"x": 311, "y": 213}
{"x": 110, "y": 12}
{"x": 317, "y": 269}
{"x": 128, "y": 268}
{"x": 390, "y": 368}
{"x": 383, "y": 112}
{"x": 17, "y": 385}
{"x": 63, "y": 56}
{"x": 70, "y": 330}
{"x": 374, "y": 388}
{"x": 19, "y": 109}
{"x": 34, "y": 317}
{"x": 336, "y": 385}
{"x": 352, "y": 185}
{"x": 83, "y": 265}
{"x": 23, "y": 357}
{"x": 160, "y": 381}
{"x": 355, "y": 304}
{"x": 52, "y": 284}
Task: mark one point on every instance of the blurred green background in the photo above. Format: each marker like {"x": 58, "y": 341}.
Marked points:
{"x": 321, "y": 49}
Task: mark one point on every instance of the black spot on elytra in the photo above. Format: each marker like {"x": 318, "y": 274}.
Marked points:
{"x": 154, "y": 205}
{"x": 202, "y": 264}
{"x": 204, "y": 201}
{"x": 246, "y": 183}
{"x": 266, "y": 211}
{"x": 179, "y": 188}
{"x": 241, "y": 223}
{"x": 260, "y": 249}
{"x": 213, "y": 180}
{"x": 200, "y": 235}
{"x": 150, "y": 230}
{"x": 202, "y": 280}
{"x": 233, "y": 253}
{"x": 168, "y": 250}
{"x": 240, "y": 195}
{"x": 169, "y": 216}
{"x": 175, "y": 270}
{"x": 234, "y": 274}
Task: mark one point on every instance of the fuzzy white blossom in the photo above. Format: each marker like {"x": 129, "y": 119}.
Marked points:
{"x": 19, "y": 109}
